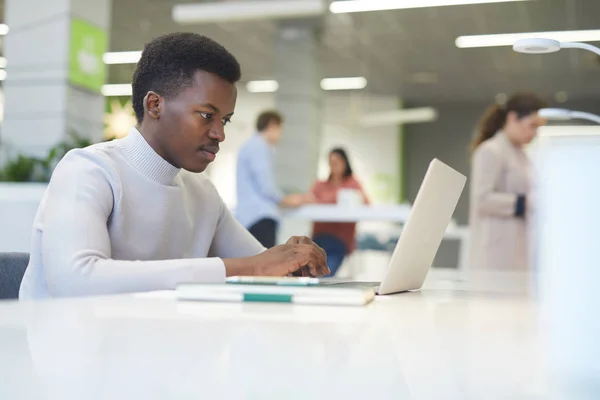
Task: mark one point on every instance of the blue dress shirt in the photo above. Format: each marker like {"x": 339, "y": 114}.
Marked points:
{"x": 258, "y": 196}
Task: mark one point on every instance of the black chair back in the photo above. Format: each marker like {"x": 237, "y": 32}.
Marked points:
{"x": 12, "y": 269}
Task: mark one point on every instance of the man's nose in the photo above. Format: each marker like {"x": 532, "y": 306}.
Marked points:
{"x": 217, "y": 132}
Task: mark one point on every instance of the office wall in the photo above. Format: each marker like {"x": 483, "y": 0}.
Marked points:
{"x": 448, "y": 139}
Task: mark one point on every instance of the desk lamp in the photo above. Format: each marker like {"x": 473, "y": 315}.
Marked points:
{"x": 562, "y": 114}
{"x": 543, "y": 46}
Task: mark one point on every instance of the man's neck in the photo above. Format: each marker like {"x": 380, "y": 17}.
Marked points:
{"x": 265, "y": 136}
{"x": 151, "y": 134}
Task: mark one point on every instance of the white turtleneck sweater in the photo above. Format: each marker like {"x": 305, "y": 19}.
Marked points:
{"x": 117, "y": 217}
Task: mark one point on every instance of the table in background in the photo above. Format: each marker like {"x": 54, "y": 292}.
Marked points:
{"x": 395, "y": 213}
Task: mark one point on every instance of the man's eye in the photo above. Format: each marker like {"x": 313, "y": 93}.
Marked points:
{"x": 226, "y": 121}
{"x": 206, "y": 115}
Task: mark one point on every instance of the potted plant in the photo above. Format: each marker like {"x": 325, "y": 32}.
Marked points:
{"x": 23, "y": 181}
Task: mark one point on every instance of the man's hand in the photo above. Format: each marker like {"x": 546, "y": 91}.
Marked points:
{"x": 292, "y": 201}
{"x": 299, "y": 256}
{"x": 297, "y": 200}
{"x": 305, "y": 240}
{"x": 309, "y": 198}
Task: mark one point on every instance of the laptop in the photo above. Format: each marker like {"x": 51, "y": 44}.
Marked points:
{"x": 422, "y": 234}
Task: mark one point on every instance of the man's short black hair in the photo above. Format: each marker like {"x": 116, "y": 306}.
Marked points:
{"x": 267, "y": 117}
{"x": 169, "y": 62}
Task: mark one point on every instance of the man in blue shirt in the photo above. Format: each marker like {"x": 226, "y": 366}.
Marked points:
{"x": 258, "y": 197}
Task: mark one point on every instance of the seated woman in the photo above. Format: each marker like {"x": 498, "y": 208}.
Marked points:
{"x": 336, "y": 238}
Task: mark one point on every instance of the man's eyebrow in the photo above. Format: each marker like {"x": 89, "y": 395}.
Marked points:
{"x": 215, "y": 108}
{"x": 211, "y": 106}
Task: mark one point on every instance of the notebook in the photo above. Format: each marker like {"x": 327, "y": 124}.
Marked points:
{"x": 273, "y": 293}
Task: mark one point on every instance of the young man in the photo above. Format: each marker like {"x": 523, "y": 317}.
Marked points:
{"x": 258, "y": 197}
{"x": 134, "y": 214}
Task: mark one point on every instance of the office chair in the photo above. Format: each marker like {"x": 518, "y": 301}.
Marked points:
{"x": 12, "y": 269}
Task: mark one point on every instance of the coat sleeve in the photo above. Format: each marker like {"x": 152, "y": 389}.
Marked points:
{"x": 485, "y": 178}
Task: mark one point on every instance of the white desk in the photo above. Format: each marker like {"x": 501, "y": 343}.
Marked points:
{"x": 334, "y": 213}
{"x": 397, "y": 213}
{"x": 436, "y": 344}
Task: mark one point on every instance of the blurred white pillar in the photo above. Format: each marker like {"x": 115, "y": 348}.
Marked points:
{"x": 567, "y": 255}
{"x": 299, "y": 99}
{"x": 54, "y": 73}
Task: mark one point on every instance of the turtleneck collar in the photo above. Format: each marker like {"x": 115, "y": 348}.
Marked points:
{"x": 145, "y": 160}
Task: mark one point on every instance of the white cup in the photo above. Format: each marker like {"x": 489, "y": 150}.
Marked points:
{"x": 349, "y": 197}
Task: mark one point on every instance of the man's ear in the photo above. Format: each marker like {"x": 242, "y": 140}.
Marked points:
{"x": 152, "y": 104}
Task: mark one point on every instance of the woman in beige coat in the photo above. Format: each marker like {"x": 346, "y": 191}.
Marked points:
{"x": 501, "y": 182}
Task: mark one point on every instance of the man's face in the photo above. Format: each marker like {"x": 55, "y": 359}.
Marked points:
{"x": 274, "y": 132}
{"x": 191, "y": 125}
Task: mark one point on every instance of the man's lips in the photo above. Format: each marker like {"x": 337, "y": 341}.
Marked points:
{"x": 210, "y": 151}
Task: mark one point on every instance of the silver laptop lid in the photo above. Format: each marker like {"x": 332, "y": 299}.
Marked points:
{"x": 424, "y": 229}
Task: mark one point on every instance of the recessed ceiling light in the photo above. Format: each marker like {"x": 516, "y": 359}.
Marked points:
{"x": 122, "y": 57}
{"x": 231, "y": 11}
{"x": 115, "y": 57}
{"x": 349, "y": 83}
{"x": 266, "y": 86}
{"x": 350, "y": 6}
{"x": 402, "y": 116}
{"x": 346, "y": 83}
{"x": 118, "y": 89}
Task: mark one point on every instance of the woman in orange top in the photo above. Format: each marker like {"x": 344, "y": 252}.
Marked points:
{"x": 336, "y": 238}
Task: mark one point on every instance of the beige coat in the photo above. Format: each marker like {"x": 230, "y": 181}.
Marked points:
{"x": 500, "y": 173}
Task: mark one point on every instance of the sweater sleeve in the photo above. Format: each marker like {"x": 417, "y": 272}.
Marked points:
{"x": 229, "y": 231}
{"x": 76, "y": 247}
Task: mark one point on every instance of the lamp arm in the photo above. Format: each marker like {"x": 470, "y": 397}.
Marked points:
{"x": 586, "y": 116}
{"x": 577, "y": 45}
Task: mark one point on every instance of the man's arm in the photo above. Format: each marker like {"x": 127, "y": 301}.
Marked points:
{"x": 244, "y": 255}
{"x": 76, "y": 247}
{"x": 231, "y": 239}
{"x": 261, "y": 167}
{"x": 76, "y": 250}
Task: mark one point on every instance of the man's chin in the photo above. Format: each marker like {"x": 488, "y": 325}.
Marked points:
{"x": 196, "y": 167}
